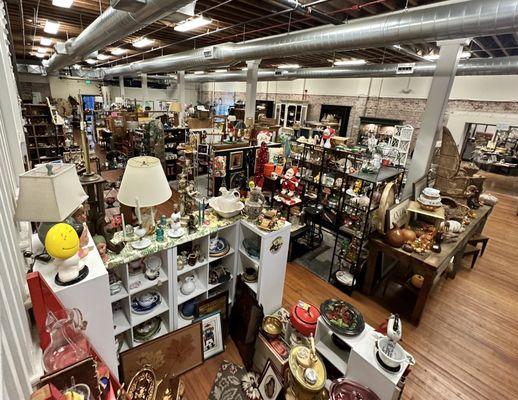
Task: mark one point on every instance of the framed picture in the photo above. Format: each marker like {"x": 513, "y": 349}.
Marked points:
{"x": 169, "y": 355}
{"x": 212, "y": 335}
{"x": 203, "y": 149}
{"x": 418, "y": 186}
{"x": 270, "y": 383}
{"x": 236, "y": 160}
{"x": 216, "y": 303}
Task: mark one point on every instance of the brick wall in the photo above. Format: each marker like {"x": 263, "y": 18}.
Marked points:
{"x": 409, "y": 110}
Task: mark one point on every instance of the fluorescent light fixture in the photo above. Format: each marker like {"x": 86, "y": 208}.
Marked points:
{"x": 63, "y": 3}
{"x": 42, "y": 50}
{"x": 45, "y": 41}
{"x": 144, "y": 42}
{"x": 244, "y": 69}
{"x": 40, "y": 55}
{"x": 289, "y": 66}
{"x": 51, "y": 27}
{"x": 220, "y": 70}
{"x": 102, "y": 57}
{"x": 91, "y": 61}
{"x": 341, "y": 63}
{"x": 199, "y": 72}
{"x": 118, "y": 51}
{"x": 193, "y": 23}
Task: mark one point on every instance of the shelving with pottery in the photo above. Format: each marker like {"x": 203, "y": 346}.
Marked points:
{"x": 268, "y": 288}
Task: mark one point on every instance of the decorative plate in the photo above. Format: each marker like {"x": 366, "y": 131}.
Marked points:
{"x": 218, "y": 247}
{"x": 138, "y": 308}
{"x": 146, "y": 330}
{"x": 141, "y": 244}
{"x": 388, "y": 198}
{"x": 342, "y": 317}
{"x": 175, "y": 234}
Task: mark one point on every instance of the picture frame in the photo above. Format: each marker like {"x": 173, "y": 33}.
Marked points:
{"x": 236, "y": 160}
{"x": 212, "y": 335}
{"x": 236, "y": 178}
{"x": 271, "y": 382}
{"x": 217, "y": 303}
{"x": 203, "y": 149}
{"x": 169, "y": 355}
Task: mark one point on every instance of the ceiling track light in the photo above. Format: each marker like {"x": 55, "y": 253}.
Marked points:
{"x": 143, "y": 42}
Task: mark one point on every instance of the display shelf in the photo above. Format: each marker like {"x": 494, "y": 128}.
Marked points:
{"x": 200, "y": 289}
{"x": 216, "y": 285}
{"x": 249, "y": 257}
{"x": 231, "y": 251}
{"x": 333, "y": 354}
{"x": 137, "y": 319}
{"x": 190, "y": 268}
{"x": 252, "y": 285}
{"x": 121, "y": 322}
{"x": 146, "y": 283}
{"x": 385, "y": 173}
{"x": 163, "y": 330}
{"x": 119, "y": 296}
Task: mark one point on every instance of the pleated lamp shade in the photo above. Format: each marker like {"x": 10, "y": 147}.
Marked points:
{"x": 144, "y": 183}
{"x": 49, "y": 193}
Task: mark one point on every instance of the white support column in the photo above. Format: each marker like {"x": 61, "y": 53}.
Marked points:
{"x": 251, "y": 87}
{"x": 145, "y": 90}
{"x": 121, "y": 86}
{"x": 433, "y": 115}
{"x": 181, "y": 95}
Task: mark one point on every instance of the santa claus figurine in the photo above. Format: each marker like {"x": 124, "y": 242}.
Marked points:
{"x": 289, "y": 183}
{"x": 326, "y": 137}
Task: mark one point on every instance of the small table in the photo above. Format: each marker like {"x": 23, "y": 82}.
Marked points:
{"x": 430, "y": 265}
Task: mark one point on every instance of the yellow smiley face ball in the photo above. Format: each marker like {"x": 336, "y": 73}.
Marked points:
{"x": 62, "y": 241}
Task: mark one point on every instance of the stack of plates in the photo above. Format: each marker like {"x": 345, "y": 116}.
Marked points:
{"x": 430, "y": 199}
{"x": 218, "y": 247}
{"x": 146, "y": 302}
{"x": 146, "y": 330}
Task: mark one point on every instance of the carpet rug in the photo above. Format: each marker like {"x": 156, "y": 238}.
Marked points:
{"x": 233, "y": 382}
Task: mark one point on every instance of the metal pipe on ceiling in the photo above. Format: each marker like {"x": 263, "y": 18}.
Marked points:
{"x": 109, "y": 27}
{"x": 440, "y": 21}
{"x": 297, "y": 7}
{"x": 479, "y": 66}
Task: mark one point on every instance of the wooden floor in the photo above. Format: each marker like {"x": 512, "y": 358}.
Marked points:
{"x": 466, "y": 345}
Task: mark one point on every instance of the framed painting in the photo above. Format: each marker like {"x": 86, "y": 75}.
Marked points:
{"x": 236, "y": 160}
{"x": 270, "y": 383}
{"x": 169, "y": 356}
{"x": 216, "y": 303}
{"x": 212, "y": 335}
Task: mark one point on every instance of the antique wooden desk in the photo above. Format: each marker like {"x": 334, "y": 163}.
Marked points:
{"x": 430, "y": 265}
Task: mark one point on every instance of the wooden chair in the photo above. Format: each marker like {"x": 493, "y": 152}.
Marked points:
{"x": 473, "y": 251}
{"x": 476, "y": 239}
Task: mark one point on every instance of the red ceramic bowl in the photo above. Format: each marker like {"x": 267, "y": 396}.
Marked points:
{"x": 303, "y": 317}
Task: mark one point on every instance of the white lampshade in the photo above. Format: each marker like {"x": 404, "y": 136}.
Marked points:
{"x": 49, "y": 198}
{"x": 144, "y": 183}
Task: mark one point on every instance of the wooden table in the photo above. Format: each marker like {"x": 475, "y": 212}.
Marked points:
{"x": 430, "y": 265}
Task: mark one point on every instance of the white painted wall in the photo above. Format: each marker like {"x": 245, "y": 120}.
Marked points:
{"x": 62, "y": 88}
{"x": 484, "y": 88}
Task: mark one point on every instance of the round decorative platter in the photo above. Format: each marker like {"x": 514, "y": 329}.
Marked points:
{"x": 342, "y": 317}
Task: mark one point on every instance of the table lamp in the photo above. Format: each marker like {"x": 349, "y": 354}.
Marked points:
{"x": 144, "y": 184}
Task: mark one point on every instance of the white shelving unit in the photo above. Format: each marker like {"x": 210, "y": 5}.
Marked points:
{"x": 401, "y": 141}
{"x": 291, "y": 112}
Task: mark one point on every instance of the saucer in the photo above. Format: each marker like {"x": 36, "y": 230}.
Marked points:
{"x": 138, "y": 308}
{"x": 175, "y": 234}
{"x": 141, "y": 244}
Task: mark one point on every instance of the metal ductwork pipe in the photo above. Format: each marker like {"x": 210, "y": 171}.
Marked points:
{"x": 109, "y": 27}
{"x": 479, "y": 66}
{"x": 297, "y": 7}
{"x": 440, "y": 21}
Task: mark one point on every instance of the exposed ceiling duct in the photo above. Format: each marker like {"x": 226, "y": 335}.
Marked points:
{"x": 297, "y": 7}
{"x": 440, "y": 21}
{"x": 109, "y": 27}
{"x": 479, "y": 66}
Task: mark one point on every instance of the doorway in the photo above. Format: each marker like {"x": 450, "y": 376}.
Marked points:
{"x": 340, "y": 115}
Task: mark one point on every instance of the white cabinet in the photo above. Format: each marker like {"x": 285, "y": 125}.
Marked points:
{"x": 290, "y": 113}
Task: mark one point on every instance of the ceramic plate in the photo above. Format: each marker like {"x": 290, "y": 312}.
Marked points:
{"x": 342, "y": 317}
{"x": 218, "y": 247}
{"x": 138, "y": 308}
{"x": 141, "y": 244}
{"x": 175, "y": 234}
{"x": 146, "y": 330}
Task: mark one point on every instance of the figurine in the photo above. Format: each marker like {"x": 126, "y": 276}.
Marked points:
{"x": 100, "y": 243}
{"x": 326, "y": 137}
{"x": 254, "y": 203}
{"x": 472, "y": 194}
{"x": 289, "y": 183}
{"x": 191, "y": 204}
{"x": 193, "y": 223}
{"x": 175, "y": 219}
{"x": 262, "y": 159}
